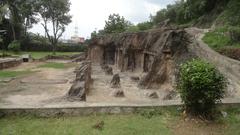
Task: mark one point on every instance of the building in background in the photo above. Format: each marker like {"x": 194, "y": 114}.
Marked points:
{"x": 74, "y": 39}
{"x": 77, "y": 40}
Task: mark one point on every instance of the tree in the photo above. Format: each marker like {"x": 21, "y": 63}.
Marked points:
{"x": 116, "y": 24}
{"x": 29, "y": 11}
{"x": 145, "y": 26}
{"x": 94, "y": 34}
{"x": 3, "y": 11}
{"x": 56, "y": 13}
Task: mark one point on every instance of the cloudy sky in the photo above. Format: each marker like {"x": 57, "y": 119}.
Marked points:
{"x": 89, "y": 15}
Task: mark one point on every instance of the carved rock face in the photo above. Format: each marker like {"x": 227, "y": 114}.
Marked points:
{"x": 115, "y": 83}
{"x": 157, "y": 52}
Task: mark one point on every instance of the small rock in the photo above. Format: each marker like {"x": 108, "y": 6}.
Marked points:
{"x": 170, "y": 95}
{"x": 99, "y": 125}
{"x": 109, "y": 71}
{"x": 104, "y": 66}
{"x": 152, "y": 95}
{"x": 118, "y": 93}
{"x": 224, "y": 114}
{"x": 135, "y": 78}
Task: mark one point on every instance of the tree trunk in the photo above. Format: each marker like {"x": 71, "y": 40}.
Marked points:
{"x": 54, "y": 49}
{"x": 13, "y": 32}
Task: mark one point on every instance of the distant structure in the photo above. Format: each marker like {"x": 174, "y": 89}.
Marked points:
{"x": 76, "y": 39}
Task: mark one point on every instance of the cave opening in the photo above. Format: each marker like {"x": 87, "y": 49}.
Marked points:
{"x": 109, "y": 54}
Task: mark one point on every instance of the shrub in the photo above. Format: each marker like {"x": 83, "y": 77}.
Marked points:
{"x": 201, "y": 86}
{"x": 14, "y": 46}
{"x": 235, "y": 34}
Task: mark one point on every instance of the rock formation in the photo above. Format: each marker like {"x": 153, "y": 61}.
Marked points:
{"x": 158, "y": 52}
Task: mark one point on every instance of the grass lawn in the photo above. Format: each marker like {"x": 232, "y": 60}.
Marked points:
{"x": 9, "y": 74}
{"x": 164, "y": 123}
{"x": 38, "y": 55}
{"x": 57, "y": 65}
{"x": 113, "y": 125}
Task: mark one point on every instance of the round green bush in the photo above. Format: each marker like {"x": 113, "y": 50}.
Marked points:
{"x": 201, "y": 86}
{"x": 15, "y": 46}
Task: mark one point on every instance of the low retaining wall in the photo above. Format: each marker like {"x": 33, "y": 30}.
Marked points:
{"x": 11, "y": 62}
{"x": 99, "y": 108}
{"x": 78, "y": 111}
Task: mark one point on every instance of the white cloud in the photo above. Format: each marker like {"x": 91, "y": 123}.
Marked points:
{"x": 91, "y": 14}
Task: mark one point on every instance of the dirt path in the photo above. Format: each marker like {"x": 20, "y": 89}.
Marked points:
{"x": 229, "y": 67}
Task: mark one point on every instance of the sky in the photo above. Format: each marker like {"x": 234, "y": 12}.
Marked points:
{"x": 90, "y": 15}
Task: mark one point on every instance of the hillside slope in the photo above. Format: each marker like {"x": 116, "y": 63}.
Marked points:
{"x": 229, "y": 67}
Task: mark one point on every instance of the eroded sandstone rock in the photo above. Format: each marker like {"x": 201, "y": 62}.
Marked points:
{"x": 135, "y": 78}
{"x": 115, "y": 82}
{"x": 170, "y": 95}
{"x": 118, "y": 93}
{"x": 152, "y": 95}
{"x": 157, "y": 52}
{"x": 109, "y": 71}
{"x": 77, "y": 92}
{"x": 81, "y": 85}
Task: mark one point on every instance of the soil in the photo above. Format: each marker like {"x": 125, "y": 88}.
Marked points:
{"x": 49, "y": 87}
{"x": 35, "y": 88}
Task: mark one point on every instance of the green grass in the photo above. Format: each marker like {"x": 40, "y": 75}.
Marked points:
{"x": 219, "y": 38}
{"x": 113, "y": 125}
{"x": 56, "y": 65}
{"x": 38, "y": 55}
{"x": 9, "y": 74}
{"x": 160, "y": 123}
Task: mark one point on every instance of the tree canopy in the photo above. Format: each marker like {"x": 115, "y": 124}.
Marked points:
{"x": 55, "y": 12}
{"x": 116, "y": 24}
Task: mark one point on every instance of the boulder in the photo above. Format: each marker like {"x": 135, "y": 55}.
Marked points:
{"x": 104, "y": 66}
{"x": 152, "y": 95}
{"x": 115, "y": 82}
{"x": 109, "y": 71}
{"x": 170, "y": 95}
{"x": 135, "y": 78}
{"x": 118, "y": 93}
{"x": 77, "y": 92}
